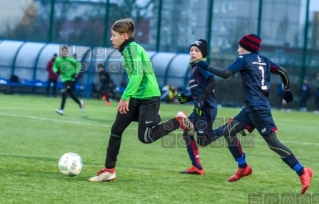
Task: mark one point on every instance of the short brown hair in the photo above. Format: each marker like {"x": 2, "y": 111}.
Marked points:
{"x": 64, "y": 47}
{"x": 125, "y": 25}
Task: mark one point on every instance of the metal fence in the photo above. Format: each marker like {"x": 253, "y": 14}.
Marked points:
{"x": 289, "y": 28}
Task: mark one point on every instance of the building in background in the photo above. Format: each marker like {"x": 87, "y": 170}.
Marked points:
{"x": 14, "y": 14}
{"x": 186, "y": 20}
{"x": 315, "y": 31}
{"x": 182, "y": 22}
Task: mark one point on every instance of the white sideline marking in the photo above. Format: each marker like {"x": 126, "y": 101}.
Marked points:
{"x": 94, "y": 124}
{"x": 161, "y": 113}
{"x": 55, "y": 120}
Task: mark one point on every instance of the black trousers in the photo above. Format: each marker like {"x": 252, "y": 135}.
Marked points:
{"x": 145, "y": 112}
{"x": 54, "y": 82}
{"x": 68, "y": 90}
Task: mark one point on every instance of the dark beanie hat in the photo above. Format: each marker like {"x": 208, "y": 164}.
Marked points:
{"x": 250, "y": 42}
{"x": 202, "y": 46}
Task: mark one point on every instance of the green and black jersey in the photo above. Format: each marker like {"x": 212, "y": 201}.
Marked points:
{"x": 67, "y": 67}
{"x": 142, "y": 80}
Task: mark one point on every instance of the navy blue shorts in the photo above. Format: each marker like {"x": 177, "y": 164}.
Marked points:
{"x": 204, "y": 123}
{"x": 261, "y": 120}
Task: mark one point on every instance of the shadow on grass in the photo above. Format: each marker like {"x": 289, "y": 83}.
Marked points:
{"x": 102, "y": 121}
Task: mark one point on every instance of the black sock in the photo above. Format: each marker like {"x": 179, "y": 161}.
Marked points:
{"x": 64, "y": 96}
{"x": 112, "y": 151}
{"x": 76, "y": 100}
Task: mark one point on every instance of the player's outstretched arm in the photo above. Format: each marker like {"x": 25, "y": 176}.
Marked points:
{"x": 285, "y": 80}
{"x": 223, "y": 73}
{"x": 284, "y": 77}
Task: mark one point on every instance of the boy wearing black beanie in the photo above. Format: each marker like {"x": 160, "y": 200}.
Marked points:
{"x": 201, "y": 84}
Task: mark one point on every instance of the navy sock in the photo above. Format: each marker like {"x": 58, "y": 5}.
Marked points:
{"x": 293, "y": 163}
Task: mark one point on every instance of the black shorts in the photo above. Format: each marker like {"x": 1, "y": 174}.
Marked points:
{"x": 68, "y": 85}
{"x": 204, "y": 123}
{"x": 145, "y": 111}
{"x": 261, "y": 120}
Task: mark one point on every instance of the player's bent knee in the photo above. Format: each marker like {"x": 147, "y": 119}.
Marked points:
{"x": 145, "y": 140}
{"x": 227, "y": 132}
{"x": 232, "y": 129}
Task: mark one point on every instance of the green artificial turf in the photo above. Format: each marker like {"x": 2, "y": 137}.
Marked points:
{"x": 34, "y": 137}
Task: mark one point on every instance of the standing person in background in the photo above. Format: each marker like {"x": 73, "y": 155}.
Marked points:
{"x": 52, "y": 77}
{"x": 68, "y": 68}
{"x": 317, "y": 96}
{"x": 304, "y": 95}
{"x": 105, "y": 81}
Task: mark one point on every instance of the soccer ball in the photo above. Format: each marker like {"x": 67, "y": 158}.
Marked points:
{"x": 70, "y": 164}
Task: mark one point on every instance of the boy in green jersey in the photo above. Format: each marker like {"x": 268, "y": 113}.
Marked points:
{"x": 68, "y": 68}
{"x": 140, "y": 101}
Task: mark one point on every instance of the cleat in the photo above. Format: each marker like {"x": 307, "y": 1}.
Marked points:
{"x": 108, "y": 103}
{"x": 107, "y": 175}
{"x": 240, "y": 173}
{"x": 242, "y": 132}
{"x": 305, "y": 179}
{"x": 59, "y": 111}
{"x": 103, "y": 98}
{"x": 193, "y": 170}
{"x": 82, "y": 105}
{"x": 185, "y": 123}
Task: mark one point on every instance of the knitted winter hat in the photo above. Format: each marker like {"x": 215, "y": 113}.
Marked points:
{"x": 202, "y": 46}
{"x": 250, "y": 42}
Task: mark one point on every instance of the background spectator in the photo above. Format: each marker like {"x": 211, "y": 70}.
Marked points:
{"x": 317, "y": 96}
{"x": 52, "y": 77}
{"x": 304, "y": 95}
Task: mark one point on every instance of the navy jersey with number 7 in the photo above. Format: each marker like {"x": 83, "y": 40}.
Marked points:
{"x": 255, "y": 73}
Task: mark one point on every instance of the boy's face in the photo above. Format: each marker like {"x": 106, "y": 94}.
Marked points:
{"x": 242, "y": 51}
{"x": 117, "y": 39}
{"x": 195, "y": 53}
{"x": 64, "y": 52}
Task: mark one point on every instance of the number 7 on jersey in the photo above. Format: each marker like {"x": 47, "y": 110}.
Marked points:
{"x": 262, "y": 72}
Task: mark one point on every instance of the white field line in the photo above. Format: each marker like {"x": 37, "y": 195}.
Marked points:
{"x": 94, "y": 124}
{"x": 58, "y": 121}
{"x": 165, "y": 114}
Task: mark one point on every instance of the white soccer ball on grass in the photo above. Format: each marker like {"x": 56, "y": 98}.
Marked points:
{"x": 70, "y": 164}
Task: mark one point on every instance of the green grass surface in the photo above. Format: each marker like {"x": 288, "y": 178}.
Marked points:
{"x": 33, "y": 137}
